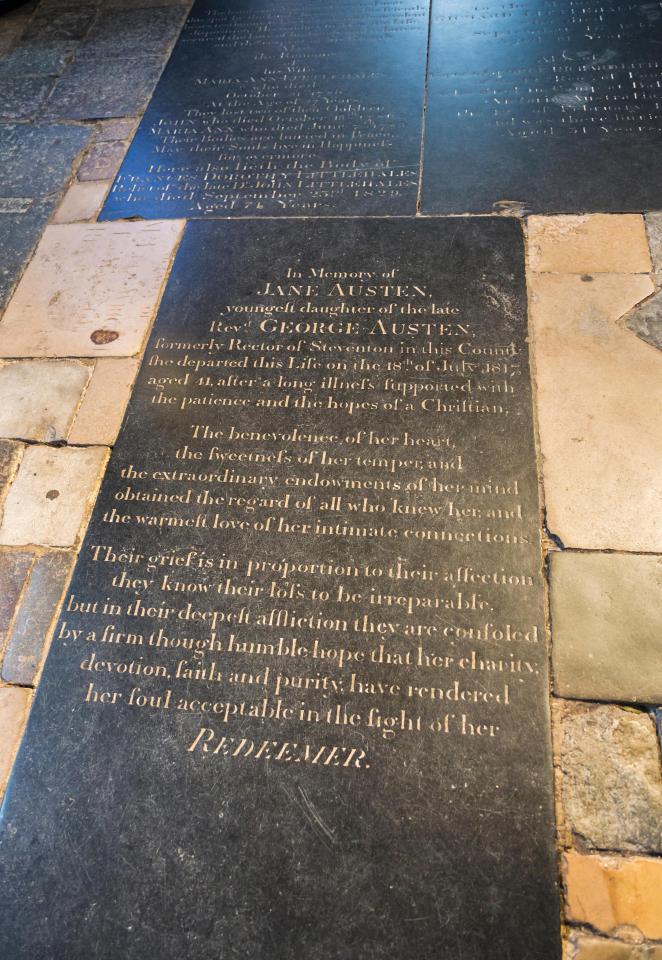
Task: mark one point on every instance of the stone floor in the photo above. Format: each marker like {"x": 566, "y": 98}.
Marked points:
{"x": 79, "y": 299}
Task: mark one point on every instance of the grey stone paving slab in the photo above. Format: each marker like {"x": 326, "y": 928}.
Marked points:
{"x": 36, "y": 159}
{"x": 19, "y": 233}
{"x": 34, "y": 617}
{"x": 14, "y": 569}
{"x": 654, "y": 228}
{"x": 36, "y": 59}
{"x": 60, "y": 23}
{"x": 21, "y": 97}
{"x": 646, "y": 321}
{"x": 115, "y": 129}
{"x": 612, "y": 784}
{"x": 103, "y": 88}
{"x": 132, "y": 33}
{"x": 607, "y": 626}
{"x": 102, "y": 160}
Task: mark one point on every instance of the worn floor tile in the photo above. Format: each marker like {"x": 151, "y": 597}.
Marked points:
{"x": 14, "y": 708}
{"x": 606, "y": 613}
{"x": 96, "y": 89}
{"x": 34, "y": 619}
{"x": 611, "y": 892}
{"x": 19, "y": 233}
{"x": 15, "y": 566}
{"x": 21, "y": 97}
{"x": 82, "y": 201}
{"x": 132, "y": 33}
{"x": 596, "y": 948}
{"x": 90, "y": 290}
{"x": 590, "y": 243}
{"x": 599, "y": 412}
{"x": 61, "y": 22}
{"x": 100, "y": 415}
{"x": 39, "y": 398}
{"x": 646, "y": 321}
{"x": 611, "y": 778}
{"x": 37, "y": 59}
{"x": 115, "y": 130}
{"x": 102, "y": 160}
{"x": 51, "y": 496}
{"x": 654, "y": 230}
{"x": 36, "y": 159}
{"x": 10, "y": 458}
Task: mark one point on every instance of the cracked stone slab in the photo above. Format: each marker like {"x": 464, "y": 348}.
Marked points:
{"x": 589, "y": 243}
{"x": 14, "y": 708}
{"x": 599, "y": 412}
{"x": 21, "y": 97}
{"x": 646, "y": 321}
{"x": 100, "y": 414}
{"x": 90, "y": 290}
{"x": 82, "y": 201}
{"x": 36, "y": 159}
{"x": 52, "y": 495}
{"x": 38, "y": 608}
{"x": 39, "y": 398}
{"x": 98, "y": 89}
{"x": 607, "y": 626}
{"x": 614, "y": 893}
{"x": 136, "y": 33}
{"x": 611, "y": 778}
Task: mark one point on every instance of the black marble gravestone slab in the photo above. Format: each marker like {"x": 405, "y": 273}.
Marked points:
{"x": 553, "y": 105}
{"x": 292, "y": 107}
{"x": 296, "y": 703}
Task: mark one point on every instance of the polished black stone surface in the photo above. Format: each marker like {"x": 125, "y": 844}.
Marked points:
{"x": 283, "y": 107}
{"x": 300, "y": 709}
{"x": 553, "y": 105}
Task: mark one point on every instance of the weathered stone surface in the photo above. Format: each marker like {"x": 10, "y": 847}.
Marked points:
{"x": 93, "y": 89}
{"x": 90, "y": 290}
{"x": 614, "y": 892}
{"x": 100, "y": 415}
{"x": 36, "y": 159}
{"x": 10, "y": 458}
{"x": 14, "y": 707}
{"x": 82, "y": 201}
{"x": 39, "y": 398}
{"x": 102, "y": 160}
{"x": 607, "y": 626}
{"x": 592, "y": 243}
{"x": 646, "y": 321}
{"x": 21, "y": 97}
{"x": 134, "y": 33}
{"x": 36, "y": 59}
{"x": 599, "y": 411}
{"x": 114, "y": 130}
{"x": 63, "y": 22}
{"x": 19, "y": 233}
{"x": 595, "y": 948}
{"x": 39, "y": 606}
{"x": 612, "y": 781}
{"x": 51, "y": 496}
{"x": 654, "y": 230}
{"x": 15, "y": 566}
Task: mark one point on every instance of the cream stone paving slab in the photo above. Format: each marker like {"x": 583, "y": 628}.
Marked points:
{"x": 596, "y": 948}
{"x": 615, "y": 892}
{"x": 589, "y": 243}
{"x": 100, "y": 414}
{"x": 599, "y": 409}
{"x": 39, "y": 398}
{"x": 10, "y": 458}
{"x": 52, "y": 495}
{"x": 82, "y": 201}
{"x": 91, "y": 289}
{"x": 14, "y": 707}
{"x": 606, "y": 611}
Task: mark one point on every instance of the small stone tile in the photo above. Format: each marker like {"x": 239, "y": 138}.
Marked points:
{"x": 52, "y": 495}
{"x": 102, "y": 160}
{"x": 132, "y": 33}
{"x": 21, "y": 97}
{"x": 15, "y": 565}
{"x": 609, "y": 893}
{"x": 10, "y": 458}
{"x": 19, "y": 233}
{"x": 82, "y": 201}
{"x": 96, "y": 89}
{"x": 36, "y": 60}
{"x": 599, "y": 412}
{"x": 607, "y": 626}
{"x": 14, "y": 708}
{"x": 39, "y": 606}
{"x": 90, "y": 290}
{"x": 115, "y": 130}
{"x": 36, "y": 159}
{"x": 590, "y": 243}
{"x": 611, "y": 778}
{"x": 595, "y": 948}
{"x": 100, "y": 415}
{"x": 646, "y": 321}
{"x": 60, "y": 23}
{"x": 39, "y": 398}
{"x": 654, "y": 230}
